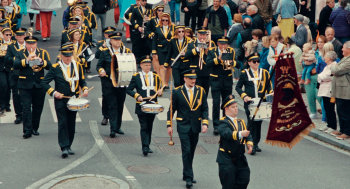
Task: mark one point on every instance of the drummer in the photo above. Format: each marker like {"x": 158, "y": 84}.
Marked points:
{"x": 253, "y": 80}
{"x": 147, "y": 84}
{"x": 66, "y": 85}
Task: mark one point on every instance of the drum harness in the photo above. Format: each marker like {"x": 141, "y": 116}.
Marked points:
{"x": 73, "y": 79}
{"x": 255, "y": 81}
{"x": 144, "y": 87}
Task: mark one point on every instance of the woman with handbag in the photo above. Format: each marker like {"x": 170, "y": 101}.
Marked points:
{"x": 286, "y": 9}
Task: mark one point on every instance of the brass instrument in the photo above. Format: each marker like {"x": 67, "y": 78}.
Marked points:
{"x": 201, "y": 54}
{"x": 34, "y": 62}
{"x": 143, "y": 26}
{"x": 3, "y": 49}
{"x": 72, "y": 2}
{"x": 226, "y": 63}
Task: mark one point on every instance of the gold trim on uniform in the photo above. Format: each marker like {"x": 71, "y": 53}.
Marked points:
{"x": 250, "y": 143}
{"x": 22, "y": 77}
{"x": 166, "y": 64}
{"x": 205, "y": 121}
{"x": 85, "y": 88}
{"x": 243, "y": 95}
{"x": 100, "y": 70}
{"x": 213, "y": 75}
{"x": 41, "y": 77}
{"x": 24, "y": 63}
{"x": 179, "y": 118}
{"x": 194, "y": 52}
{"x": 193, "y": 66}
{"x": 216, "y": 61}
{"x": 229, "y": 102}
{"x": 136, "y": 95}
{"x": 234, "y": 135}
{"x": 136, "y": 26}
{"x": 50, "y": 91}
{"x": 168, "y": 122}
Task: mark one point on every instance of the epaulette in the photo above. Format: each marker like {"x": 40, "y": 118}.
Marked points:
{"x": 64, "y": 31}
{"x": 135, "y": 74}
{"x": 177, "y": 87}
{"x": 104, "y": 49}
{"x": 212, "y": 48}
{"x": 222, "y": 118}
{"x": 200, "y": 86}
{"x": 55, "y": 65}
{"x": 153, "y": 17}
{"x": 243, "y": 71}
{"x": 158, "y": 25}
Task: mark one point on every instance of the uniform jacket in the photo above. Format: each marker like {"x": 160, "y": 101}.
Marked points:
{"x": 151, "y": 27}
{"x": 28, "y": 78}
{"x": 189, "y": 116}
{"x": 99, "y": 48}
{"x": 193, "y": 55}
{"x": 61, "y": 84}
{"x": 218, "y": 76}
{"x": 173, "y": 51}
{"x": 137, "y": 18}
{"x": 340, "y": 82}
{"x": 104, "y": 63}
{"x": 229, "y": 140}
{"x": 12, "y": 50}
{"x": 136, "y": 83}
{"x": 128, "y": 14}
{"x": 2, "y": 60}
{"x": 161, "y": 40}
{"x": 84, "y": 33}
{"x": 249, "y": 89}
{"x": 85, "y": 55}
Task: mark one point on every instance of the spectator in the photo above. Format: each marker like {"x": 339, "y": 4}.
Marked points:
{"x": 277, "y": 31}
{"x": 325, "y": 80}
{"x": 243, "y": 11}
{"x": 265, "y": 11}
{"x": 264, "y": 64}
{"x": 257, "y": 35}
{"x": 340, "y": 90}
{"x": 321, "y": 41}
{"x": 325, "y": 13}
{"x": 276, "y": 48}
{"x": 233, "y": 7}
{"x": 300, "y": 36}
{"x": 190, "y": 7}
{"x": 257, "y": 21}
{"x": 304, "y": 7}
{"x": 337, "y": 5}
{"x": 293, "y": 48}
{"x": 306, "y": 24}
{"x": 234, "y": 30}
{"x": 308, "y": 55}
{"x": 287, "y": 9}
{"x": 336, "y": 44}
{"x": 228, "y": 12}
{"x": 216, "y": 20}
{"x": 200, "y": 13}
{"x": 115, "y": 6}
{"x": 244, "y": 36}
{"x": 339, "y": 19}
{"x": 100, "y": 8}
{"x": 319, "y": 6}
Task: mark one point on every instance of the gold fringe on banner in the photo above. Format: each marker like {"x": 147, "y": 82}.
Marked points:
{"x": 295, "y": 141}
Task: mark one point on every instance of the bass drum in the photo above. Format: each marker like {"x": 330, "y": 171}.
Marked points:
{"x": 126, "y": 68}
{"x": 126, "y": 20}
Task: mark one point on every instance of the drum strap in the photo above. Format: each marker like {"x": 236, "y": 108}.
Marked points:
{"x": 144, "y": 86}
{"x": 72, "y": 79}
{"x": 256, "y": 87}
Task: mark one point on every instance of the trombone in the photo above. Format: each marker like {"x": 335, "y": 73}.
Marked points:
{"x": 226, "y": 63}
{"x": 201, "y": 55}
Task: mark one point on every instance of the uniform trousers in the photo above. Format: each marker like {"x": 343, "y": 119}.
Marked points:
{"x": 234, "y": 177}
{"x": 178, "y": 77}
{"x": 203, "y": 81}
{"x": 140, "y": 46}
{"x": 343, "y": 110}
{"x": 16, "y": 98}
{"x": 5, "y": 90}
{"x": 66, "y": 123}
{"x": 146, "y": 122}
{"x": 33, "y": 103}
{"x": 215, "y": 93}
{"x": 191, "y": 15}
{"x": 188, "y": 146}
{"x": 104, "y": 102}
{"x": 255, "y": 129}
{"x": 115, "y": 99}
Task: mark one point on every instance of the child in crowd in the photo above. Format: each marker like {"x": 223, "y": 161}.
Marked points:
{"x": 308, "y": 55}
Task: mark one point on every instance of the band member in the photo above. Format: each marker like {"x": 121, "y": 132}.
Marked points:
{"x": 163, "y": 33}
{"x": 190, "y": 102}
{"x": 5, "y": 90}
{"x": 14, "y": 15}
{"x": 189, "y": 33}
{"x": 253, "y": 80}
{"x": 233, "y": 173}
{"x": 68, "y": 76}
{"x": 115, "y": 96}
{"x": 12, "y": 50}
{"x": 91, "y": 17}
{"x": 30, "y": 90}
{"x": 139, "y": 18}
{"x": 5, "y": 23}
{"x": 100, "y": 46}
{"x": 74, "y": 23}
{"x": 3, "y": 16}
{"x": 198, "y": 58}
{"x": 81, "y": 49}
{"x": 176, "y": 46}
{"x": 147, "y": 84}
{"x": 221, "y": 80}
{"x": 127, "y": 16}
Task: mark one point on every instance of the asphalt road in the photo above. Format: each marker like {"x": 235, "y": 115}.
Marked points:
{"x": 31, "y": 163}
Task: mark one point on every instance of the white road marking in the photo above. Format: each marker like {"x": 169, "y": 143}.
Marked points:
{"x": 126, "y": 114}
{"x": 53, "y": 111}
{"x": 9, "y": 116}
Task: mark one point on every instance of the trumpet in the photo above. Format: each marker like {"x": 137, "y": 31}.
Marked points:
{"x": 34, "y": 62}
{"x": 201, "y": 55}
{"x": 72, "y": 2}
{"x": 226, "y": 63}
{"x": 3, "y": 49}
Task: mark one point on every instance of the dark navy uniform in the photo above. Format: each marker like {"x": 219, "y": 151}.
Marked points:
{"x": 221, "y": 80}
{"x": 30, "y": 90}
{"x": 66, "y": 118}
{"x": 115, "y": 96}
{"x": 246, "y": 81}
{"x": 84, "y": 33}
{"x": 190, "y": 117}
{"x": 160, "y": 42}
{"x": 233, "y": 173}
{"x": 5, "y": 90}
{"x": 139, "y": 82}
{"x": 153, "y": 22}
{"x": 128, "y": 15}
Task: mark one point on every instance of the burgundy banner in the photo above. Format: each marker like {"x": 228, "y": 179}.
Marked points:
{"x": 290, "y": 121}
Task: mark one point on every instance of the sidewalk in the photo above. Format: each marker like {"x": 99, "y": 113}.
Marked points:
{"x": 342, "y": 144}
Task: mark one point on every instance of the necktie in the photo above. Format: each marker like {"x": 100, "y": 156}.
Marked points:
{"x": 147, "y": 83}
{"x": 165, "y": 30}
{"x": 276, "y": 58}
{"x": 21, "y": 46}
{"x": 180, "y": 43}
{"x": 256, "y": 76}
{"x": 191, "y": 96}
{"x": 235, "y": 121}
{"x": 68, "y": 71}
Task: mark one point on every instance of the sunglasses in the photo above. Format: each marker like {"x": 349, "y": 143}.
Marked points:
{"x": 255, "y": 61}
{"x": 181, "y": 31}
{"x": 144, "y": 0}
{"x": 164, "y": 20}
{"x": 160, "y": 10}
{"x": 8, "y": 35}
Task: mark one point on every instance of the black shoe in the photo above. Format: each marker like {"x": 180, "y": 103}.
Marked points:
{"x": 112, "y": 135}
{"x": 27, "y": 135}
{"x": 88, "y": 70}
{"x": 104, "y": 121}
{"x": 253, "y": 152}
{"x": 189, "y": 184}
{"x": 8, "y": 109}
{"x": 31, "y": 23}
{"x": 2, "y": 110}
{"x": 193, "y": 181}
{"x": 70, "y": 152}
{"x": 18, "y": 120}
{"x": 36, "y": 133}
{"x": 216, "y": 132}
{"x": 257, "y": 148}
{"x": 149, "y": 150}
{"x": 145, "y": 151}
{"x": 64, "y": 153}
{"x": 120, "y": 132}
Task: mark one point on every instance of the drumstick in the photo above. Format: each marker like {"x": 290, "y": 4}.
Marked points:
{"x": 66, "y": 97}
{"x": 91, "y": 76}
{"x": 87, "y": 90}
{"x": 155, "y": 95}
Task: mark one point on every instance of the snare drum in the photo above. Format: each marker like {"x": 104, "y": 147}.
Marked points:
{"x": 78, "y": 104}
{"x": 152, "y": 108}
{"x": 264, "y": 111}
{"x": 126, "y": 69}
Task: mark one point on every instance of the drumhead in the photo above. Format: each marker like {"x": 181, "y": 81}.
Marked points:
{"x": 152, "y": 105}
{"x": 77, "y": 101}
